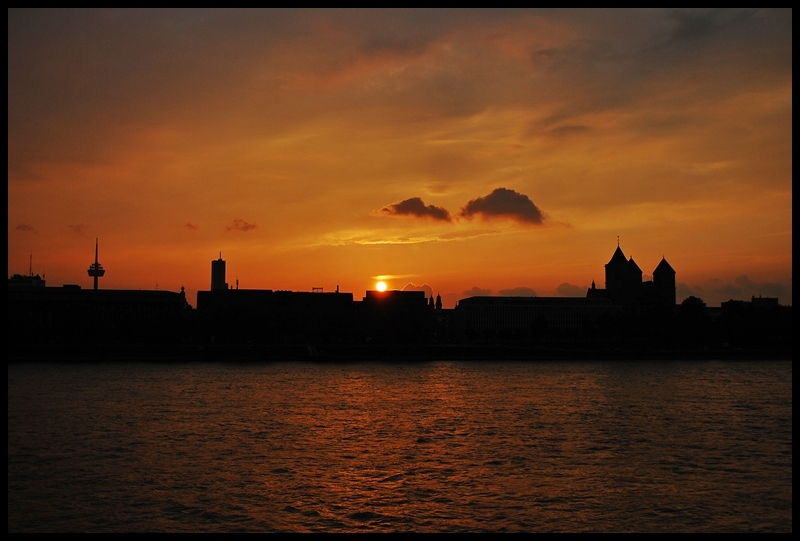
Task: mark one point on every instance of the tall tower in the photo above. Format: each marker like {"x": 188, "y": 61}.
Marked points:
{"x": 623, "y": 278}
{"x": 218, "y": 274}
{"x": 96, "y": 269}
{"x": 664, "y": 281}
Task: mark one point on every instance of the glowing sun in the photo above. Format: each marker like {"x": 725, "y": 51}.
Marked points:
{"x": 380, "y": 286}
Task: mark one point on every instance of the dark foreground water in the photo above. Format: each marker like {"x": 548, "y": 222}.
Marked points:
{"x": 441, "y": 446}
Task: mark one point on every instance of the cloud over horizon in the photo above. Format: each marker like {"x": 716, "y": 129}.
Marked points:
{"x": 715, "y": 291}
{"x": 504, "y": 203}
{"x": 414, "y": 206}
{"x": 518, "y": 292}
{"x": 410, "y": 286}
{"x": 477, "y": 292}
{"x": 571, "y": 290}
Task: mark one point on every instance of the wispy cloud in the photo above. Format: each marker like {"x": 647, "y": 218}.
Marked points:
{"x": 26, "y": 227}
{"x": 240, "y": 225}
{"x": 370, "y": 237}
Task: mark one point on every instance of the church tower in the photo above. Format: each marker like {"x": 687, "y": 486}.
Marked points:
{"x": 623, "y": 278}
{"x": 664, "y": 282}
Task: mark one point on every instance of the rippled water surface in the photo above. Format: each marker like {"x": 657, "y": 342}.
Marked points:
{"x": 448, "y": 446}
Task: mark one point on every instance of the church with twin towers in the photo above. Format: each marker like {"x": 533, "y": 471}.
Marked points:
{"x": 624, "y": 285}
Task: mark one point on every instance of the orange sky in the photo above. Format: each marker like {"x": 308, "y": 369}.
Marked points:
{"x": 291, "y": 140}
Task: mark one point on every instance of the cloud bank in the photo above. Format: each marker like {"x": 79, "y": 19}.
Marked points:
{"x": 477, "y": 292}
{"x": 571, "y": 290}
{"x": 715, "y": 291}
{"x": 518, "y": 292}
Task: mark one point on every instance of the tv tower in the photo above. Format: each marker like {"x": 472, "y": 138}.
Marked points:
{"x": 96, "y": 269}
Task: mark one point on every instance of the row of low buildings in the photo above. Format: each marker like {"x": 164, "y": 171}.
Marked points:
{"x": 69, "y": 313}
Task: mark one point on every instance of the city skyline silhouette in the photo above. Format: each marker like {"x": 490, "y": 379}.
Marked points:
{"x": 456, "y": 150}
{"x": 400, "y": 270}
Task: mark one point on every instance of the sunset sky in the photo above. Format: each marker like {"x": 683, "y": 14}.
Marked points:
{"x": 471, "y": 152}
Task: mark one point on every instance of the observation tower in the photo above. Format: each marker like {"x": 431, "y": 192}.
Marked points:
{"x": 96, "y": 269}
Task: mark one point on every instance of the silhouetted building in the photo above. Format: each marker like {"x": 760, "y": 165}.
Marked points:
{"x": 395, "y": 299}
{"x": 264, "y": 315}
{"x": 34, "y": 280}
{"x": 394, "y": 315}
{"x": 532, "y": 318}
{"x": 597, "y": 316}
{"x": 764, "y": 302}
{"x": 624, "y": 285}
{"x": 70, "y": 314}
{"x": 218, "y": 274}
{"x": 760, "y": 323}
{"x": 20, "y": 281}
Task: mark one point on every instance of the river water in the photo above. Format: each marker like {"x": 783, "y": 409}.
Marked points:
{"x": 375, "y": 447}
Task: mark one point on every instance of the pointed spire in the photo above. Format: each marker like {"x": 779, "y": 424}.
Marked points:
{"x": 618, "y": 257}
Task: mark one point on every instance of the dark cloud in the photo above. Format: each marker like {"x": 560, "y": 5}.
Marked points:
{"x": 506, "y": 203}
{"x": 416, "y": 207}
{"x": 240, "y": 225}
{"x": 696, "y": 24}
{"x": 683, "y": 291}
{"x": 193, "y": 227}
{"x": 518, "y": 292}
{"x": 570, "y": 290}
{"x": 79, "y": 229}
{"x": 424, "y": 287}
{"x": 26, "y": 227}
{"x": 741, "y": 288}
{"x": 477, "y": 292}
